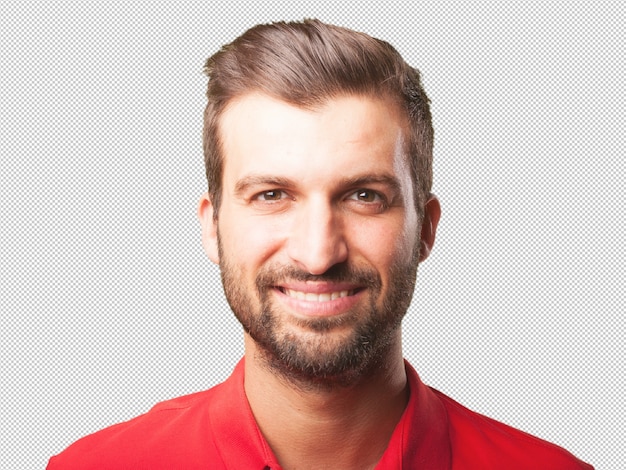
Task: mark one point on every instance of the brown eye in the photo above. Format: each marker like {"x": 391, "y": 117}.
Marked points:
{"x": 272, "y": 195}
{"x": 366, "y": 195}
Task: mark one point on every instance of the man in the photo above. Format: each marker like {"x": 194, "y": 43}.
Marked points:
{"x": 318, "y": 149}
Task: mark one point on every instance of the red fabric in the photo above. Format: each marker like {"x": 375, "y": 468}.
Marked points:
{"x": 215, "y": 429}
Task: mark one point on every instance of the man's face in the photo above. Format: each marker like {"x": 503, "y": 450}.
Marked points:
{"x": 317, "y": 236}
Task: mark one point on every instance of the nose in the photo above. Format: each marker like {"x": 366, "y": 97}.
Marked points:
{"x": 317, "y": 240}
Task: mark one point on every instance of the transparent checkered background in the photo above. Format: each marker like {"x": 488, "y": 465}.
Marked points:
{"x": 109, "y": 305}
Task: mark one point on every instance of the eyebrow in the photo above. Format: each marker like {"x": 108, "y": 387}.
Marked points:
{"x": 366, "y": 180}
{"x": 257, "y": 180}
{"x": 352, "y": 182}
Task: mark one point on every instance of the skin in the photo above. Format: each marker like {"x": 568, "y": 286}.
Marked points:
{"x": 306, "y": 193}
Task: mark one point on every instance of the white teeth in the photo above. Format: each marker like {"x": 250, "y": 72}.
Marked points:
{"x": 325, "y": 297}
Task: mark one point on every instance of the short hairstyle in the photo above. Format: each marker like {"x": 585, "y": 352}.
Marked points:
{"x": 306, "y": 64}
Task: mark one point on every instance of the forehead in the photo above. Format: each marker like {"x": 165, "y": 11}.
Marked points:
{"x": 261, "y": 134}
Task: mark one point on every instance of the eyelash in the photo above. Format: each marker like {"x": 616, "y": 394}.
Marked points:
{"x": 259, "y": 196}
{"x": 376, "y": 194}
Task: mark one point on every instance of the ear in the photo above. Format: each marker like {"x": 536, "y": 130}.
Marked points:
{"x": 209, "y": 228}
{"x": 432, "y": 212}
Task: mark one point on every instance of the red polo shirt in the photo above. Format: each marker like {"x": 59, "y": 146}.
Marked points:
{"x": 216, "y": 430}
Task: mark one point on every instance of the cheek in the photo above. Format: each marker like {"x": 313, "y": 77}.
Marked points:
{"x": 249, "y": 241}
{"x": 382, "y": 245}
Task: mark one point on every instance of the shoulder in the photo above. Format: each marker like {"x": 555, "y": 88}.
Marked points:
{"x": 487, "y": 443}
{"x": 172, "y": 432}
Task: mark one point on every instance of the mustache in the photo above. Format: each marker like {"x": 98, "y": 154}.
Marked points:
{"x": 273, "y": 275}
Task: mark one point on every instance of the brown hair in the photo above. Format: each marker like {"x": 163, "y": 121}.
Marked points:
{"x": 306, "y": 64}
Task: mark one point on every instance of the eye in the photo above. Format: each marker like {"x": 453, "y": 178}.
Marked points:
{"x": 368, "y": 201}
{"x": 367, "y": 195}
{"x": 271, "y": 195}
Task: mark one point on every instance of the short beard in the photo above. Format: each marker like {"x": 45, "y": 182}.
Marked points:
{"x": 317, "y": 360}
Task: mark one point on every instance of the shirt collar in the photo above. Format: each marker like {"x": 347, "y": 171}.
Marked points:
{"x": 420, "y": 439}
{"x": 235, "y": 432}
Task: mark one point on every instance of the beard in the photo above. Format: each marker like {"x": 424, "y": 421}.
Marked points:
{"x": 327, "y": 351}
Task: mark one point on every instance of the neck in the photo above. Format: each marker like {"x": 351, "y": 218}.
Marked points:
{"x": 327, "y": 427}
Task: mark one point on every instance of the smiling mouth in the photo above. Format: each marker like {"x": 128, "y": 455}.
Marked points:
{"x": 313, "y": 297}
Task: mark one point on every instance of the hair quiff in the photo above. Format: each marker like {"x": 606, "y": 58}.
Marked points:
{"x": 306, "y": 64}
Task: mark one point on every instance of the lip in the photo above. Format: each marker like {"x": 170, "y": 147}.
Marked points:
{"x": 325, "y": 299}
{"x": 319, "y": 287}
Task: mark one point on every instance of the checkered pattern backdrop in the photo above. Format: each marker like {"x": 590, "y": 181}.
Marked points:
{"x": 109, "y": 305}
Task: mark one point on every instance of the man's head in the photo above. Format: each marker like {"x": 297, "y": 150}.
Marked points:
{"x": 306, "y": 64}
{"x": 320, "y": 173}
